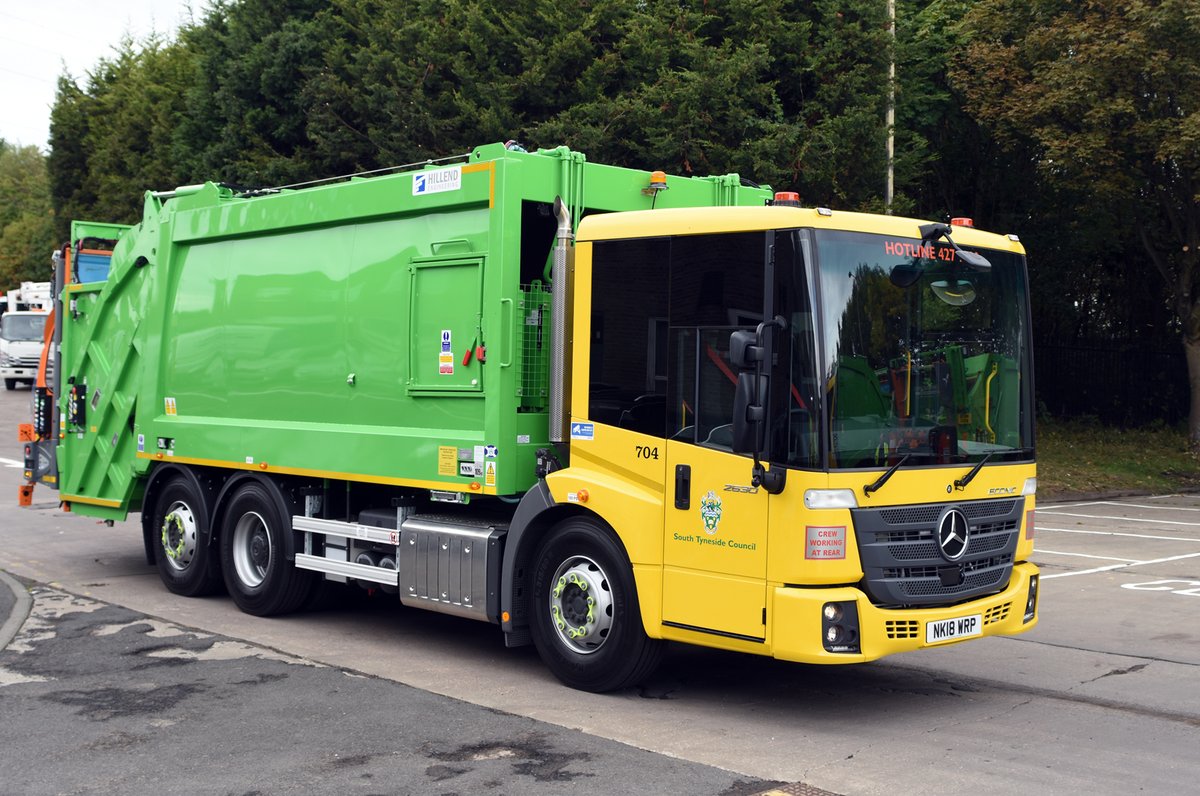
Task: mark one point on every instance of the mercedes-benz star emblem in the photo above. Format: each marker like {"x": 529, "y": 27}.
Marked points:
{"x": 952, "y": 534}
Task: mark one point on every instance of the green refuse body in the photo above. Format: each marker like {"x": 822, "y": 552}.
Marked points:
{"x": 384, "y": 330}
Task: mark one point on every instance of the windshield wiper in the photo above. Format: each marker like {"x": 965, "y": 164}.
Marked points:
{"x": 961, "y": 483}
{"x": 883, "y": 479}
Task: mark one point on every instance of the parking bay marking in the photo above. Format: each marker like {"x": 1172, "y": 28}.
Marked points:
{"x": 1086, "y": 555}
{"x": 1041, "y": 528}
{"x": 1042, "y": 512}
{"x": 1054, "y": 508}
{"x": 1120, "y": 566}
{"x": 1193, "y": 589}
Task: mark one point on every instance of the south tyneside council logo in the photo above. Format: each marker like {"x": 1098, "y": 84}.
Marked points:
{"x": 710, "y": 512}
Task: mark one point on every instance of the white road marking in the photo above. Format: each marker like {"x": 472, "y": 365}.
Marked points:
{"x": 1119, "y": 566}
{"x": 11, "y": 463}
{"x": 1085, "y": 555}
{"x": 1123, "y": 519}
{"x": 1054, "y": 508}
{"x": 1041, "y": 528}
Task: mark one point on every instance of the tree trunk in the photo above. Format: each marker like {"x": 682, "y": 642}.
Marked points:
{"x": 1191, "y": 348}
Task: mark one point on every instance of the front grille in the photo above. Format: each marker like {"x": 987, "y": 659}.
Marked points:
{"x": 997, "y": 613}
{"x": 969, "y": 568}
{"x": 903, "y": 564}
{"x": 902, "y": 628}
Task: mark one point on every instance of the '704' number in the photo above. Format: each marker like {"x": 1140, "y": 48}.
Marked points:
{"x": 646, "y": 452}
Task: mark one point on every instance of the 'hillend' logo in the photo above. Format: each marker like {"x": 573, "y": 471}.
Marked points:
{"x": 437, "y": 181}
{"x": 710, "y": 512}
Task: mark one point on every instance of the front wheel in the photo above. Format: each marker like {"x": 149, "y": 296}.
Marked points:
{"x": 10, "y": 384}
{"x": 587, "y": 626}
{"x": 259, "y": 578}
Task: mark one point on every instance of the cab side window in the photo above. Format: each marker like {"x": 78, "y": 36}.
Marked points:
{"x": 716, "y": 287}
{"x": 629, "y": 334}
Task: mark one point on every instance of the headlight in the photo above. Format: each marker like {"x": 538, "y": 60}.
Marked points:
{"x": 839, "y": 627}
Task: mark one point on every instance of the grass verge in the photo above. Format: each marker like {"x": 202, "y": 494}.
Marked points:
{"x": 1078, "y": 458}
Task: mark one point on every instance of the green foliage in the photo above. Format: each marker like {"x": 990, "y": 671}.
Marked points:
{"x": 26, "y": 219}
{"x": 1078, "y": 457}
{"x": 113, "y": 141}
{"x": 1105, "y": 96}
{"x": 264, "y": 92}
{"x": 1075, "y": 124}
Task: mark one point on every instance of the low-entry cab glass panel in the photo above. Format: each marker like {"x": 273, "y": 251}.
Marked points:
{"x": 922, "y": 353}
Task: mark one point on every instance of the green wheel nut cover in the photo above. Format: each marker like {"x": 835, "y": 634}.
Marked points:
{"x": 177, "y": 550}
{"x": 572, "y": 578}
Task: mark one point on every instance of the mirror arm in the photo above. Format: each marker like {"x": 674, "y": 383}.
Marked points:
{"x": 771, "y": 480}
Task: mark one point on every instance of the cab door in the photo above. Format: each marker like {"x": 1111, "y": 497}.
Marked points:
{"x": 715, "y": 524}
{"x": 715, "y": 551}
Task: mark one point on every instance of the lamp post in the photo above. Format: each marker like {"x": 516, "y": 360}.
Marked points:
{"x": 891, "y": 110}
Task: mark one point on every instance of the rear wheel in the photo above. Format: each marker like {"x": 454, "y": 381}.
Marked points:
{"x": 587, "y": 626}
{"x": 253, "y": 544}
{"x": 187, "y": 563}
{"x": 10, "y": 384}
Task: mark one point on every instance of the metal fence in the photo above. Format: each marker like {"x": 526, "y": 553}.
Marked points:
{"x": 1117, "y": 385}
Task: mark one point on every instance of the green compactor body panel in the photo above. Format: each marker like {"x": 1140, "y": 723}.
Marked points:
{"x": 389, "y": 330}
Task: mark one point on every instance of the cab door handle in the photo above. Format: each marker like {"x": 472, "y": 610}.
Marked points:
{"x": 683, "y": 486}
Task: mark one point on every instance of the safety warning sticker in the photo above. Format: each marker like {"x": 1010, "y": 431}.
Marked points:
{"x": 446, "y": 355}
{"x": 825, "y": 542}
{"x": 447, "y": 460}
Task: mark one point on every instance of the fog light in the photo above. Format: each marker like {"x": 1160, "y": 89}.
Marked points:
{"x": 1031, "y": 603}
{"x": 839, "y": 627}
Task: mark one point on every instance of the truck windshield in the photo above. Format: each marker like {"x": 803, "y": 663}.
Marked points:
{"x": 22, "y": 327}
{"x": 921, "y": 354}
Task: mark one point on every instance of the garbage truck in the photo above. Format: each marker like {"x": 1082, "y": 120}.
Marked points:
{"x": 598, "y": 407}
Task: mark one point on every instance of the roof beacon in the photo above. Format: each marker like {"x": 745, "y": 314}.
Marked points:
{"x": 962, "y": 222}
{"x": 786, "y": 199}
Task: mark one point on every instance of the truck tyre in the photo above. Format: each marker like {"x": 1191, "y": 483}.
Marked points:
{"x": 258, "y": 576}
{"x": 587, "y": 626}
{"x": 10, "y": 384}
{"x": 187, "y": 563}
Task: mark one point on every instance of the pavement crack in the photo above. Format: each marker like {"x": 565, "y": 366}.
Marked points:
{"x": 1129, "y": 670}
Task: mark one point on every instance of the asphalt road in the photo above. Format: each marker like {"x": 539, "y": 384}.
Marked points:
{"x": 101, "y": 699}
{"x": 1102, "y": 696}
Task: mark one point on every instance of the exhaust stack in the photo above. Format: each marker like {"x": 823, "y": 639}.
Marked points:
{"x": 561, "y": 271}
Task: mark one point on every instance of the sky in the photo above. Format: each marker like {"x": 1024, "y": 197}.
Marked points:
{"x": 41, "y": 38}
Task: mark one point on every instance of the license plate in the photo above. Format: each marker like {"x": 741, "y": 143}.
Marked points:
{"x": 953, "y": 629}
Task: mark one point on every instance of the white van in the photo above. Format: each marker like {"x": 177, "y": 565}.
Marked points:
{"x": 20, "y": 346}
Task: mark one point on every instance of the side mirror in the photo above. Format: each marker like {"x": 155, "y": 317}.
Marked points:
{"x": 745, "y": 352}
{"x": 974, "y": 259}
{"x": 748, "y": 414}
